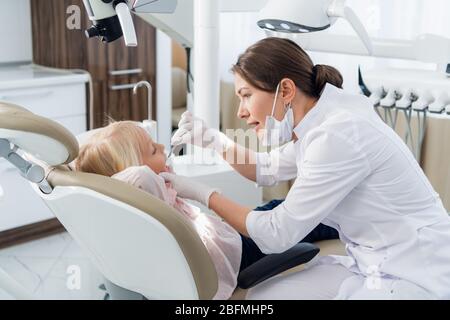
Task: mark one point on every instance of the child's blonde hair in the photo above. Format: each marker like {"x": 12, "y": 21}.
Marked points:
{"x": 112, "y": 149}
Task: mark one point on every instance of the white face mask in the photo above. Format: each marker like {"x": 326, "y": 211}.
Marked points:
{"x": 278, "y": 132}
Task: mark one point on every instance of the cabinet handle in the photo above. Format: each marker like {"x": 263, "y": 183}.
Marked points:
{"x": 26, "y": 95}
{"x": 122, "y": 86}
{"x": 125, "y": 72}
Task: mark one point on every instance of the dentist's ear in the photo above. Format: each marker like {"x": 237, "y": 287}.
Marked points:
{"x": 288, "y": 90}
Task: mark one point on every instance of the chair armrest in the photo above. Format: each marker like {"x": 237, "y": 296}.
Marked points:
{"x": 274, "y": 264}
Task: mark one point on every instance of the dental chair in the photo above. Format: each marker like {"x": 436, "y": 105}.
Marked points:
{"x": 144, "y": 248}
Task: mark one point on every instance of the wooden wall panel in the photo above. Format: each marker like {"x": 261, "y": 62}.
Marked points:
{"x": 53, "y": 44}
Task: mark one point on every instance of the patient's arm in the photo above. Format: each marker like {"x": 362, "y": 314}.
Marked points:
{"x": 145, "y": 179}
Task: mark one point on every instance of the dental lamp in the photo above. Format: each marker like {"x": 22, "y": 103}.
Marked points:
{"x": 111, "y": 19}
{"x": 304, "y": 16}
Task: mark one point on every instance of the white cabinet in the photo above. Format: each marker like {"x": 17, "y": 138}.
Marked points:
{"x": 65, "y": 103}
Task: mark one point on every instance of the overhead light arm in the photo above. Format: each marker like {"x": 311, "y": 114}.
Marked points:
{"x": 338, "y": 9}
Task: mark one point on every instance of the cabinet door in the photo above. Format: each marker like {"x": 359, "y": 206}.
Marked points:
{"x": 53, "y": 101}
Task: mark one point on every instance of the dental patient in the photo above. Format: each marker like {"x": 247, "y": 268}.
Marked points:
{"x": 123, "y": 150}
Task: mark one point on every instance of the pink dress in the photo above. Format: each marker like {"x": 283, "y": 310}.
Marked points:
{"x": 222, "y": 242}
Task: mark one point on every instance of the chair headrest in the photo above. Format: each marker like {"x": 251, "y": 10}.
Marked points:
{"x": 42, "y": 138}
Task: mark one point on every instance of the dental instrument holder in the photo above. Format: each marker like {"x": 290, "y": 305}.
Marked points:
{"x": 424, "y": 94}
{"x": 438, "y": 106}
{"x": 421, "y": 107}
{"x": 375, "y": 96}
{"x": 404, "y": 104}
{"x": 388, "y": 104}
{"x": 28, "y": 170}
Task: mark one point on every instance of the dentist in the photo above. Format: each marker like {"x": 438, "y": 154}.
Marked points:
{"x": 352, "y": 172}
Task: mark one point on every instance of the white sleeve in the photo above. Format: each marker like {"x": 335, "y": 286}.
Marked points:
{"x": 330, "y": 169}
{"x": 277, "y": 165}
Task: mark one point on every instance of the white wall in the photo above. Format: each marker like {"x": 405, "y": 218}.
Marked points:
{"x": 237, "y": 32}
{"x": 164, "y": 88}
{"x": 15, "y": 31}
{"x": 392, "y": 19}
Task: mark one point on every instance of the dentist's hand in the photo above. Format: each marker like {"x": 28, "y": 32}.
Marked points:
{"x": 189, "y": 189}
{"x": 193, "y": 130}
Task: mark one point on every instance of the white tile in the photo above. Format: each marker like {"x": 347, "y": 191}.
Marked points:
{"x": 5, "y": 296}
{"x": 61, "y": 265}
{"x": 58, "y": 281}
{"x": 47, "y": 247}
{"x": 57, "y": 289}
{"x": 20, "y": 272}
{"x": 73, "y": 250}
{"x": 39, "y": 266}
{"x": 53, "y": 289}
{"x": 66, "y": 236}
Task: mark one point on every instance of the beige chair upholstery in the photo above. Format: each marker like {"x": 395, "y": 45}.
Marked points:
{"x": 17, "y": 118}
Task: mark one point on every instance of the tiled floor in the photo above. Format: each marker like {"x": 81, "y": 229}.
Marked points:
{"x": 46, "y": 268}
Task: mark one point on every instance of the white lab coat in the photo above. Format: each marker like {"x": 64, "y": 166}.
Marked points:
{"x": 355, "y": 174}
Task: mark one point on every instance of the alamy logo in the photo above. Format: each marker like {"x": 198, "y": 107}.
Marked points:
{"x": 74, "y": 277}
{"x": 73, "y": 21}
{"x": 208, "y": 138}
{"x": 373, "y": 280}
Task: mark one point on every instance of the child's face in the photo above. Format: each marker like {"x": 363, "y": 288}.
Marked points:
{"x": 155, "y": 157}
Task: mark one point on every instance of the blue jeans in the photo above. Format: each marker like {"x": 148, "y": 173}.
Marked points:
{"x": 251, "y": 252}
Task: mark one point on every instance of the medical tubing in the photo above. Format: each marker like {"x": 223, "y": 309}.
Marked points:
{"x": 421, "y": 133}
{"x": 375, "y": 107}
{"x": 394, "y": 124}
{"x": 409, "y": 135}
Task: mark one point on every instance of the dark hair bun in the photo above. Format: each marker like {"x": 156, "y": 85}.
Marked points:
{"x": 264, "y": 64}
{"x": 324, "y": 74}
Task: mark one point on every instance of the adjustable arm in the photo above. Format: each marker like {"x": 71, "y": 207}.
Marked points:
{"x": 274, "y": 264}
{"x": 28, "y": 170}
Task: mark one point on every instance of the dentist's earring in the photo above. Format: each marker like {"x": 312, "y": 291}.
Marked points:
{"x": 287, "y": 106}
